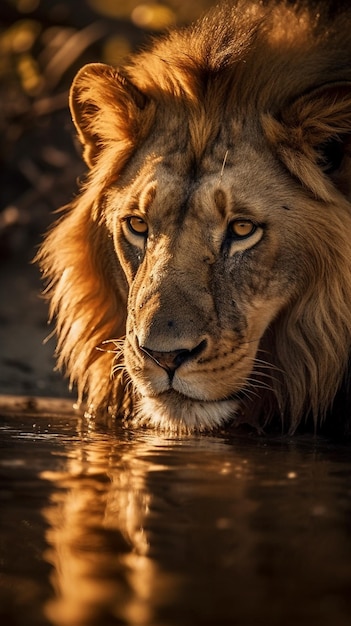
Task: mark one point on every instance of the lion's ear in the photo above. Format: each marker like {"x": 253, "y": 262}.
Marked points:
{"x": 315, "y": 130}
{"x": 106, "y": 108}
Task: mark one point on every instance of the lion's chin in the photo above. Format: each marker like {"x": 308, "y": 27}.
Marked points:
{"x": 174, "y": 413}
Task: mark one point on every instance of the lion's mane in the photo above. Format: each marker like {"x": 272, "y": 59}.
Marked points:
{"x": 291, "y": 68}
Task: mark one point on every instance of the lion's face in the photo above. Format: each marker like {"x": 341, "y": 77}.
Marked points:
{"x": 210, "y": 245}
{"x": 209, "y": 263}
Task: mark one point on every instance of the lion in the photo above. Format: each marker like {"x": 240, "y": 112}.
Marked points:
{"x": 202, "y": 275}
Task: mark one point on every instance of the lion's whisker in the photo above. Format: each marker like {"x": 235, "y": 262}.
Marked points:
{"x": 259, "y": 384}
{"x": 223, "y": 166}
{"x": 267, "y": 365}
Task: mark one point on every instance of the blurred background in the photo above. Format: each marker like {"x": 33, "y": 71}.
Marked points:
{"x": 42, "y": 45}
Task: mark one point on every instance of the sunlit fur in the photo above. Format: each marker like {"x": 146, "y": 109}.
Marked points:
{"x": 239, "y": 110}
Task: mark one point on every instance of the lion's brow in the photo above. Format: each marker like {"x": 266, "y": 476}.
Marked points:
{"x": 143, "y": 199}
{"x": 240, "y": 209}
{"x": 133, "y": 204}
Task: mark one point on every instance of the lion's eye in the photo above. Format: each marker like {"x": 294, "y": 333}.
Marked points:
{"x": 137, "y": 226}
{"x": 239, "y": 229}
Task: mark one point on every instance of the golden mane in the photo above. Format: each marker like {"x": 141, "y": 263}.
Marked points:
{"x": 290, "y": 68}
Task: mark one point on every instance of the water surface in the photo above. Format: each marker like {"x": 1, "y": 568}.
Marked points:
{"x": 105, "y": 526}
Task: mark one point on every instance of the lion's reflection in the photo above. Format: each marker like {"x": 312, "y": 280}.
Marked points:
{"x": 99, "y": 548}
{"x": 117, "y": 527}
{"x": 146, "y": 531}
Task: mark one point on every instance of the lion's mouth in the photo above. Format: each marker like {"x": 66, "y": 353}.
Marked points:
{"x": 182, "y": 397}
{"x": 175, "y": 412}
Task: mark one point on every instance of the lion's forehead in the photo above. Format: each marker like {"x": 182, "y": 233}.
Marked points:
{"x": 243, "y": 181}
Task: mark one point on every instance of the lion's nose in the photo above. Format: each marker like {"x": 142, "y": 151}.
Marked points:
{"x": 170, "y": 361}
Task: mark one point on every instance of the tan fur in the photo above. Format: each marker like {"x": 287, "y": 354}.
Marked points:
{"x": 242, "y": 120}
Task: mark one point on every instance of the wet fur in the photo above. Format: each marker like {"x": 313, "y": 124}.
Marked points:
{"x": 287, "y": 70}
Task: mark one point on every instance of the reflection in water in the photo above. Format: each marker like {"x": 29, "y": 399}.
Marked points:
{"x": 127, "y": 516}
{"x": 143, "y": 530}
{"x": 99, "y": 546}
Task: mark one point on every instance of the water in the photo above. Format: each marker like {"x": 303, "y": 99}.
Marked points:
{"x": 102, "y": 526}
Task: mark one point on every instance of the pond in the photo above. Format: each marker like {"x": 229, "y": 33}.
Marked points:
{"x": 106, "y": 526}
